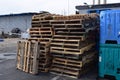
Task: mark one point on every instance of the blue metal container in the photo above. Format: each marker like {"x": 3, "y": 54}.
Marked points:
{"x": 97, "y": 11}
{"x": 110, "y": 26}
{"x": 109, "y": 60}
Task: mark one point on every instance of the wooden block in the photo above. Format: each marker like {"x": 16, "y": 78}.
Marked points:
{"x": 43, "y": 69}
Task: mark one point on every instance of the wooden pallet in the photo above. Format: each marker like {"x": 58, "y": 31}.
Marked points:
{"x": 71, "y": 17}
{"x": 38, "y": 16}
{"x": 68, "y": 62}
{"x": 68, "y": 37}
{"x": 67, "y": 50}
{"x": 70, "y": 70}
{"x": 44, "y": 16}
{"x": 70, "y": 53}
{"x": 30, "y": 56}
{"x": 73, "y": 44}
{"x": 68, "y": 73}
{"x": 84, "y": 59}
{"x": 64, "y": 72}
{"x": 40, "y": 39}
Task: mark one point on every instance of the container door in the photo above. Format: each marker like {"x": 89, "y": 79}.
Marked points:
{"x": 106, "y": 61}
{"x": 109, "y": 61}
{"x": 117, "y": 62}
{"x": 101, "y": 63}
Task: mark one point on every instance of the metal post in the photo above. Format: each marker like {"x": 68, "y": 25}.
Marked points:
{"x": 98, "y": 1}
{"x": 105, "y": 1}
{"x": 93, "y": 2}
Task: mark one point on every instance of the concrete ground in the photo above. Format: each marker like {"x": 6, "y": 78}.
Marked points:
{"x": 8, "y": 71}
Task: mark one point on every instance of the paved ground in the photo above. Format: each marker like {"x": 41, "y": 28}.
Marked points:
{"x": 8, "y": 70}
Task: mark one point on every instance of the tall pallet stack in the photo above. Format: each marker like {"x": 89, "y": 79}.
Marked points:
{"x": 73, "y": 44}
{"x": 42, "y": 32}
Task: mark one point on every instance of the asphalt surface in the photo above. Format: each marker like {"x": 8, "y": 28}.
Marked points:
{"x": 8, "y": 69}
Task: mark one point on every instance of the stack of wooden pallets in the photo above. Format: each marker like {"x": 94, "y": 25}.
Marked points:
{"x": 42, "y": 32}
{"x": 66, "y": 42}
{"x": 73, "y": 46}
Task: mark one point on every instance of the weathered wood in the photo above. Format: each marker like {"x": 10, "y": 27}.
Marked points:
{"x": 20, "y": 55}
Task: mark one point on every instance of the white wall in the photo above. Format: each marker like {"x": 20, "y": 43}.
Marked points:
{"x": 7, "y": 23}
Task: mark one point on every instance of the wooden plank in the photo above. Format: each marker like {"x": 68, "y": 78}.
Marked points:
{"x": 41, "y": 36}
{"x": 25, "y": 56}
{"x": 69, "y": 37}
{"x": 41, "y": 33}
{"x": 20, "y": 55}
{"x": 61, "y": 74}
{"x": 40, "y": 39}
{"x": 75, "y": 21}
{"x": 35, "y": 59}
{"x": 28, "y": 57}
{"x": 57, "y": 22}
{"x": 75, "y": 73}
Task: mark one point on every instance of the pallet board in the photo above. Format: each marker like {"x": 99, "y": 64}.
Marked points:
{"x": 60, "y": 50}
{"x": 40, "y": 39}
{"x": 69, "y": 37}
{"x": 20, "y": 55}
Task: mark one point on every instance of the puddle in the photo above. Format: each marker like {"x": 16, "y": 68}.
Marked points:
{"x": 7, "y": 56}
{"x": 2, "y": 59}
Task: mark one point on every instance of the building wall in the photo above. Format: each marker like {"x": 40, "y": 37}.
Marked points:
{"x": 7, "y": 23}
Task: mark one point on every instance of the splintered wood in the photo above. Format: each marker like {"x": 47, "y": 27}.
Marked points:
{"x": 60, "y": 44}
